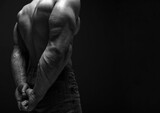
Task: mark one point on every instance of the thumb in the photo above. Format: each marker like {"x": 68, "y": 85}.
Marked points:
{"x": 24, "y": 88}
{"x": 29, "y": 91}
{"x": 30, "y": 94}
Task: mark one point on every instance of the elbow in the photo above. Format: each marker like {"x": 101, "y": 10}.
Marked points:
{"x": 54, "y": 56}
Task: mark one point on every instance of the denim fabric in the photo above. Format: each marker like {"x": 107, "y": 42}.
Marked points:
{"x": 63, "y": 96}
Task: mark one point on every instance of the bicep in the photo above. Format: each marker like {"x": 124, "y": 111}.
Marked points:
{"x": 19, "y": 48}
{"x": 65, "y": 12}
{"x": 16, "y": 49}
{"x": 17, "y": 38}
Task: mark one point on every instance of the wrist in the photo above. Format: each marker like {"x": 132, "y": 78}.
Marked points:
{"x": 21, "y": 81}
{"x": 40, "y": 91}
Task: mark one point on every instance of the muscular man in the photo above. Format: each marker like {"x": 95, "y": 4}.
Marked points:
{"x": 41, "y": 59}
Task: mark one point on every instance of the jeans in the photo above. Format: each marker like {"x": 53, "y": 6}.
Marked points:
{"x": 63, "y": 96}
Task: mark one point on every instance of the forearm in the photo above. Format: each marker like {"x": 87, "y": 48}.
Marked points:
{"x": 18, "y": 67}
{"x": 50, "y": 66}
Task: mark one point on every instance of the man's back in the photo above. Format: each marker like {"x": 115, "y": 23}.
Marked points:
{"x": 33, "y": 24}
{"x": 45, "y": 31}
{"x": 34, "y": 28}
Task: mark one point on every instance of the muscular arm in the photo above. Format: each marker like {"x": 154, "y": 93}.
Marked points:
{"x": 18, "y": 67}
{"x": 63, "y": 24}
{"x": 17, "y": 60}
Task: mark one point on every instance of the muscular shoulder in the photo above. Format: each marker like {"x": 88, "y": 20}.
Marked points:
{"x": 46, "y": 6}
{"x": 24, "y": 14}
{"x": 67, "y": 6}
{"x": 61, "y": 4}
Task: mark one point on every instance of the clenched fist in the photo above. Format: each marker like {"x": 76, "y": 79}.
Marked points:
{"x": 25, "y": 98}
{"x": 21, "y": 95}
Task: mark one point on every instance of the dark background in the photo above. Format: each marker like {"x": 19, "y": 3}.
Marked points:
{"x": 115, "y": 56}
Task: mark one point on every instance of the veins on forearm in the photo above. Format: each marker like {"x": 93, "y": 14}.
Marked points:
{"x": 18, "y": 67}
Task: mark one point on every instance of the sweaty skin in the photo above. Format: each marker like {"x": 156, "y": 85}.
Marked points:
{"x": 43, "y": 38}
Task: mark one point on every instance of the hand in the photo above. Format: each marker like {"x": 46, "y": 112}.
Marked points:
{"x": 30, "y": 104}
{"x": 21, "y": 95}
{"x": 32, "y": 99}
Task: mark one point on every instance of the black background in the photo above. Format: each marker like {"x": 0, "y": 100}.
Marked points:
{"x": 115, "y": 56}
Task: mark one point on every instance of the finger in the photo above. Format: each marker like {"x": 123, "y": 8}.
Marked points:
{"x": 24, "y": 103}
{"x": 24, "y": 108}
{"x": 18, "y": 96}
{"x": 29, "y": 91}
{"x": 19, "y": 105}
{"x": 19, "y": 88}
{"x": 24, "y": 88}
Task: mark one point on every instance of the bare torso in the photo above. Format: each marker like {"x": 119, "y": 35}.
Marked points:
{"x": 35, "y": 34}
{"x": 43, "y": 39}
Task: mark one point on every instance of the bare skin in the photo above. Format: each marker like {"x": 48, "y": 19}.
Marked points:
{"x": 43, "y": 39}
